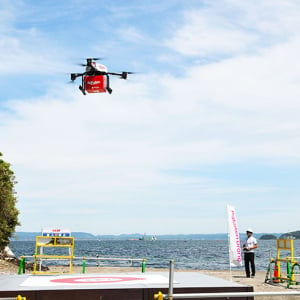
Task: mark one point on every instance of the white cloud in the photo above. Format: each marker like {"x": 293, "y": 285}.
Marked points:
{"x": 231, "y": 27}
{"x": 131, "y": 34}
{"x": 200, "y": 37}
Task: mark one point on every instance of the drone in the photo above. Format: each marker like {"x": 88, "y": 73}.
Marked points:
{"x": 95, "y": 79}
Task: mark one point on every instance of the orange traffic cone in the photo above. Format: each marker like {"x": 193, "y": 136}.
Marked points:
{"x": 276, "y": 272}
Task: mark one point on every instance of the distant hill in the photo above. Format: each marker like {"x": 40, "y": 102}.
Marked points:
{"x": 288, "y": 235}
{"x": 292, "y": 234}
{"x": 88, "y": 236}
{"x": 268, "y": 237}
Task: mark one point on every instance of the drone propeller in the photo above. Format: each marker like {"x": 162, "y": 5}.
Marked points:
{"x": 96, "y": 58}
{"x": 89, "y": 60}
{"x": 92, "y": 58}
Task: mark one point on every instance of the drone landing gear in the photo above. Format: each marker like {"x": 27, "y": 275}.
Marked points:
{"x": 82, "y": 90}
{"x": 107, "y": 85}
{"x": 109, "y": 90}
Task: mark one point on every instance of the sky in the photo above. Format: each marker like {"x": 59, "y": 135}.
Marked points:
{"x": 210, "y": 118}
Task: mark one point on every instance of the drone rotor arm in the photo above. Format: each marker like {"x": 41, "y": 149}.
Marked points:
{"x": 112, "y": 73}
{"x": 75, "y": 75}
{"x": 123, "y": 75}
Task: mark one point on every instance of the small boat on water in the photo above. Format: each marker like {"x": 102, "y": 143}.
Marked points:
{"x": 145, "y": 238}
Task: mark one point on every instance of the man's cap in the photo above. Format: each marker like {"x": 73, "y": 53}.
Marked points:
{"x": 249, "y": 230}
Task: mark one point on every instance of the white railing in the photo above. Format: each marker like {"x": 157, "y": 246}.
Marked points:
{"x": 98, "y": 260}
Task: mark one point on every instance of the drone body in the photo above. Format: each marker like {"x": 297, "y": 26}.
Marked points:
{"x": 94, "y": 84}
{"x": 95, "y": 79}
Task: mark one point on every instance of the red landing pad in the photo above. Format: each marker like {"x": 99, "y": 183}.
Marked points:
{"x": 96, "y": 279}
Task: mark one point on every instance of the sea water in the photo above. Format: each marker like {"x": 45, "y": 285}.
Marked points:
{"x": 187, "y": 254}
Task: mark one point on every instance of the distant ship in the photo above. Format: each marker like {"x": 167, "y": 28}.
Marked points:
{"x": 145, "y": 238}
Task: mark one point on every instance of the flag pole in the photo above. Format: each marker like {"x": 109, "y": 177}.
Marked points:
{"x": 228, "y": 240}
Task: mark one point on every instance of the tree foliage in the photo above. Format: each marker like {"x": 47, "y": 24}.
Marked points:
{"x": 8, "y": 211}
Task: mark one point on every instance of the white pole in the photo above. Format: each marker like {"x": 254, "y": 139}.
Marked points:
{"x": 171, "y": 279}
{"x": 228, "y": 240}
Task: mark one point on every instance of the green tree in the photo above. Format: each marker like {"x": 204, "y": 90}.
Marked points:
{"x": 8, "y": 211}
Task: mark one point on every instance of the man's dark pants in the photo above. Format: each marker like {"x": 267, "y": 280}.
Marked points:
{"x": 249, "y": 261}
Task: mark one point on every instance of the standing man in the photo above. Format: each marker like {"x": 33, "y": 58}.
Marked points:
{"x": 249, "y": 245}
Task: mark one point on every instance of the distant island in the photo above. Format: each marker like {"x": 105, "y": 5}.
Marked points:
{"x": 133, "y": 236}
{"x": 30, "y": 236}
{"x": 268, "y": 237}
{"x": 288, "y": 235}
{"x": 293, "y": 234}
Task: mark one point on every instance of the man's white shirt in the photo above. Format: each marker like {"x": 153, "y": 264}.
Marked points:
{"x": 249, "y": 243}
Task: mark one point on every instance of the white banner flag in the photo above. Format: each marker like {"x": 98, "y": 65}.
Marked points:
{"x": 235, "y": 252}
